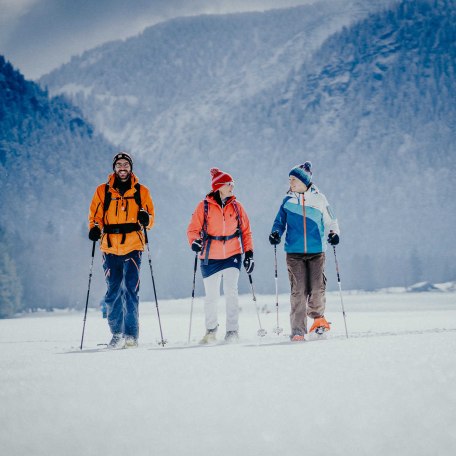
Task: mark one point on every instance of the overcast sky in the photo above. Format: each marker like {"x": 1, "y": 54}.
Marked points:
{"x": 36, "y": 36}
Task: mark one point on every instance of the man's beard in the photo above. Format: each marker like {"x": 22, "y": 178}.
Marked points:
{"x": 123, "y": 175}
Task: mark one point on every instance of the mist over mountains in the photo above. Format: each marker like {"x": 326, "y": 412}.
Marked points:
{"x": 364, "y": 90}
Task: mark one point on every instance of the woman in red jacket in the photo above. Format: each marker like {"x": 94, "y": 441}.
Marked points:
{"x": 219, "y": 231}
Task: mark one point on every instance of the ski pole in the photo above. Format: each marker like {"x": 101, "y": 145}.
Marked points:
{"x": 340, "y": 290}
{"x": 88, "y": 292}
{"x": 277, "y": 329}
{"x": 193, "y": 297}
{"x": 261, "y": 332}
{"x": 163, "y": 341}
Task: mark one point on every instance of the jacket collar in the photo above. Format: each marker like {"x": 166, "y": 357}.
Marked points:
{"x": 112, "y": 178}
{"x": 211, "y": 199}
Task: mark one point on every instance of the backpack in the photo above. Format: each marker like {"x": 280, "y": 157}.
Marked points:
{"x": 207, "y": 239}
{"x": 124, "y": 228}
{"x": 108, "y": 197}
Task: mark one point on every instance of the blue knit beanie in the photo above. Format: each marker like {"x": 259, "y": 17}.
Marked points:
{"x": 303, "y": 173}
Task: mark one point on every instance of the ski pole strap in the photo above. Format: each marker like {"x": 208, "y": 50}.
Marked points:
{"x": 209, "y": 240}
{"x": 120, "y": 228}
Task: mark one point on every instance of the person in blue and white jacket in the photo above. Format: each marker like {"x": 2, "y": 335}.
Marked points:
{"x": 306, "y": 217}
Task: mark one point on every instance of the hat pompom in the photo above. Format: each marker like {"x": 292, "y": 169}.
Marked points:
{"x": 214, "y": 171}
{"x": 307, "y": 166}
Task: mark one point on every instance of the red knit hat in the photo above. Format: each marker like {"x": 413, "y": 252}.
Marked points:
{"x": 219, "y": 178}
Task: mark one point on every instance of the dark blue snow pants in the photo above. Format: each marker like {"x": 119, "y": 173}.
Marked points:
{"x": 122, "y": 279}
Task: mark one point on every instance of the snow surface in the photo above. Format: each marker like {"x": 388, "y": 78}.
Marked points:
{"x": 387, "y": 390}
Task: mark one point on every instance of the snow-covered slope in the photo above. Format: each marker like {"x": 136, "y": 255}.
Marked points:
{"x": 365, "y": 90}
{"x": 124, "y": 86}
{"x": 388, "y": 389}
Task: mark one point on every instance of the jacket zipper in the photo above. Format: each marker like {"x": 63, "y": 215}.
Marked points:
{"x": 223, "y": 234}
{"x": 304, "y": 222}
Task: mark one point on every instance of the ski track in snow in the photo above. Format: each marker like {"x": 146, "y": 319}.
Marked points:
{"x": 266, "y": 342}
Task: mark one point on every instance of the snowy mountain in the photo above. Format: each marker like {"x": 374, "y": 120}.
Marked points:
{"x": 365, "y": 90}
{"x": 50, "y": 161}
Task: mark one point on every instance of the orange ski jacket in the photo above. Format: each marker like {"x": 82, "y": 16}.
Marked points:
{"x": 122, "y": 211}
{"x": 221, "y": 222}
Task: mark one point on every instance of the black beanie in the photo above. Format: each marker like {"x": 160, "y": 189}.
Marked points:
{"x": 122, "y": 156}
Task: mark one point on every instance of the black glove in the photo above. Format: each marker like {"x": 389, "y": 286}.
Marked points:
{"x": 333, "y": 238}
{"x": 274, "y": 238}
{"x": 197, "y": 245}
{"x": 95, "y": 233}
{"x": 248, "y": 261}
{"x": 143, "y": 217}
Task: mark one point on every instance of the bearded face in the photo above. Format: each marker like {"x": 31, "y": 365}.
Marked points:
{"x": 122, "y": 169}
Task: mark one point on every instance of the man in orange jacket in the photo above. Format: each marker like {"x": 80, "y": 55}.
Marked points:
{"x": 120, "y": 209}
{"x": 219, "y": 231}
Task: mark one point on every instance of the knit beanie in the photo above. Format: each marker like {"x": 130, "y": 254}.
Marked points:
{"x": 219, "y": 178}
{"x": 303, "y": 173}
{"x": 122, "y": 156}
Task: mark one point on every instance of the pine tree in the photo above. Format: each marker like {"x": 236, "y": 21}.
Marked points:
{"x": 10, "y": 286}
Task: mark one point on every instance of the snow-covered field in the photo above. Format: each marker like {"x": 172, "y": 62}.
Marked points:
{"x": 390, "y": 389}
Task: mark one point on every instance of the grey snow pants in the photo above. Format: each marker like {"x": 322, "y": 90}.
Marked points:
{"x": 308, "y": 285}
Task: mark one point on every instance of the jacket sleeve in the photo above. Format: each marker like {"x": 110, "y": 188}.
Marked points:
{"x": 280, "y": 222}
{"x": 96, "y": 208}
{"x": 196, "y": 223}
{"x": 329, "y": 219}
{"x": 148, "y": 205}
{"x": 246, "y": 232}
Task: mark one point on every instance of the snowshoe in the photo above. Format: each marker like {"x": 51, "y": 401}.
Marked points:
{"x": 297, "y": 335}
{"x": 231, "y": 337}
{"x": 209, "y": 337}
{"x": 131, "y": 342}
{"x": 320, "y": 326}
{"x": 117, "y": 342}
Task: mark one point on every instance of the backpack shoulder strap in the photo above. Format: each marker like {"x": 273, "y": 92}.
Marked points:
{"x": 238, "y": 216}
{"x": 107, "y": 199}
{"x": 206, "y": 211}
{"x": 138, "y": 195}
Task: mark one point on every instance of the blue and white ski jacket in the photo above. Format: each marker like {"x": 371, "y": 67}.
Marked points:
{"x": 308, "y": 219}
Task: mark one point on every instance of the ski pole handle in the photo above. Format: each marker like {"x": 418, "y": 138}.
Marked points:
{"x": 145, "y": 235}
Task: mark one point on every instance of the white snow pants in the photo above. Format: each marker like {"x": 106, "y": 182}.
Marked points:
{"x": 230, "y": 290}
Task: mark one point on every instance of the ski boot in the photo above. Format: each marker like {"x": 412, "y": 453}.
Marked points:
{"x": 231, "y": 337}
{"x": 131, "y": 342}
{"x": 297, "y": 335}
{"x": 209, "y": 337}
{"x": 117, "y": 342}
